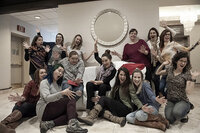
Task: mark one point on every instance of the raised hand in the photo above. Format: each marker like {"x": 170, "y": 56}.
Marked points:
{"x": 37, "y": 30}
{"x": 161, "y": 100}
{"x": 147, "y": 109}
{"x": 95, "y": 45}
{"x": 15, "y": 98}
{"x": 143, "y": 50}
{"x": 47, "y": 48}
{"x": 26, "y": 45}
{"x": 114, "y": 52}
{"x": 163, "y": 24}
{"x": 70, "y": 94}
{"x": 195, "y": 74}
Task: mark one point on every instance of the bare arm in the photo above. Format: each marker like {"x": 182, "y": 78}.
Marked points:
{"x": 160, "y": 71}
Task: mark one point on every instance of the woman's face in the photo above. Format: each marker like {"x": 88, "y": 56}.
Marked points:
{"x": 137, "y": 78}
{"x": 153, "y": 34}
{"x": 78, "y": 40}
{"x": 58, "y": 73}
{"x": 39, "y": 41}
{"x": 42, "y": 74}
{"x": 106, "y": 62}
{"x": 74, "y": 59}
{"x": 59, "y": 39}
{"x": 122, "y": 77}
{"x": 133, "y": 35}
{"x": 167, "y": 37}
{"x": 181, "y": 63}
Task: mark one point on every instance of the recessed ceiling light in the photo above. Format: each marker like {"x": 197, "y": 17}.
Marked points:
{"x": 37, "y": 17}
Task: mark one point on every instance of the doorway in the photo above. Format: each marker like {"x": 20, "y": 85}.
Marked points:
{"x": 17, "y": 60}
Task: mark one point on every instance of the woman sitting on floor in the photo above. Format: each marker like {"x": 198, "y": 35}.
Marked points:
{"x": 119, "y": 104}
{"x": 148, "y": 98}
{"x": 54, "y": 109}
{"x": 26, "y": 103}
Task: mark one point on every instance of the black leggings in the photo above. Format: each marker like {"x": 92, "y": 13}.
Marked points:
{"x": 27, "y": 109}
{"x": 115, "y": 107}
{"x": 91, "y": 88}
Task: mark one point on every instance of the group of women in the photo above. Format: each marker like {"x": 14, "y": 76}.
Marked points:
{"x": 56, "y": 85}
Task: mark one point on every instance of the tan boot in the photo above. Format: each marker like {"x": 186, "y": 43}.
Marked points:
{"x": 4, "y": 129}
{"x": 93, "y": 114}
{"x": 13, "y": 117}
{"x": 151, "y": 124}
{"x": 158, "y": 118}
{"x": 120, "y": 120}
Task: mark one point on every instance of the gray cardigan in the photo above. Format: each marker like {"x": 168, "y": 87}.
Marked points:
{"x": 48, "y": 93}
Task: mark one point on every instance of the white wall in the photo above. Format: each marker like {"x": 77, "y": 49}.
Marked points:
{"x": 177, "y": 2}
{"x": 195, "y": 54}
{"x": 8, "y": 25}
{"x": 76, "y": 18}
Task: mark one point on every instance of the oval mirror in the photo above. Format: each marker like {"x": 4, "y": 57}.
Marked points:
{"x": 109, "y": 26}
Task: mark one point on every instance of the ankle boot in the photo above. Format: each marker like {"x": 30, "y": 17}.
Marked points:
{"x": 46, "y": 125}
{"x": 15, "y": 124}
{"x": 93, "y": 114}
{"x": 120, "y": 120}
{"x": 4, "y": 129}
{"x": 14, "y": 116}
{"x": 158, "y": 118}
{"x": 151, "y": 124}
{"x": 74, "y": 127}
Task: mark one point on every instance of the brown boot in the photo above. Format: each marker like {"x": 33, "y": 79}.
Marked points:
{"x": 13, "y": 117}
{"x": 4, "y": 129}
{"x": 93, "y": 114}
{"x": 158, "y": 118}
{"x": 120, "y": 120}
{"x": 151, "y": 124}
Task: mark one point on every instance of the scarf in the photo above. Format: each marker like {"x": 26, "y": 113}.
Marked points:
{"x": 37, "y": 56}
{"x": 103, "y": 73}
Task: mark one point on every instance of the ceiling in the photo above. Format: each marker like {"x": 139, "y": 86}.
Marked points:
{"x": 48, "y": 18}
{"x": 26, "y": 10}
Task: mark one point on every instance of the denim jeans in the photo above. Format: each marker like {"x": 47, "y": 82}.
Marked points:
{"x": 163, "y": 85}
{"x": 140, "y": 115}
{"x": 176, "y": 110}
{"x": 73, "y": 88}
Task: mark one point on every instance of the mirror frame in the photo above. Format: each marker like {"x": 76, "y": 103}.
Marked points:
{"x": 104, "y": 43}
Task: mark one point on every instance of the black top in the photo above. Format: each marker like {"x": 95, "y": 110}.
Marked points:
{"x": 113, "y": 72}
{"x": 32, "y": 68}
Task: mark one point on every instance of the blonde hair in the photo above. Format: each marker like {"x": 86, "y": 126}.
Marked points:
{"x": 73, "y": 45}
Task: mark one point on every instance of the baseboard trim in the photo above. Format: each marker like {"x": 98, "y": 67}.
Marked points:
{"x": 5, "y": 89}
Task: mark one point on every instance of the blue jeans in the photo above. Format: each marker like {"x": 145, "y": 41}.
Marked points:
{"x": 73, "y": 88}
{"x": 140, "y": 115}
{"x": 163, "y": 85}
{"x": 176, "y": 110}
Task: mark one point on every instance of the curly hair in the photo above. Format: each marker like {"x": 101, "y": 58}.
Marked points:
{"x": 177, "y": 57}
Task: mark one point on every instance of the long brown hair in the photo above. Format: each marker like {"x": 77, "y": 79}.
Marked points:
{"x": 73, "y": 45}
{"x": 37, "y": 76}
{"x": 125, "y": 85}
{"x": 161, "y": 44}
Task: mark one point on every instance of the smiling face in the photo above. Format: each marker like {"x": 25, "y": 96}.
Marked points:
{"x": 78, "y": 40}
{"x": 153, "y": 34}
{"x": 39, "y": 41}
{"x": 59, "y": 39}
{"x": 74, "y": 59}
{"x": 106, "y": 62}
{"x": 137, "y": 78}
{"x": 122, "y": 77}
{"x": 42, "y": 74}
{"x": 58, "y": 73}
{"x": 167, "y": 37}
{"x": 181, "y": 63}
{"x": 133, "y": 35}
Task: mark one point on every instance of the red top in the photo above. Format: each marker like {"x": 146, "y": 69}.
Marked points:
{"x": 131, "y": 53}
{"x": 31, "y": 92}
